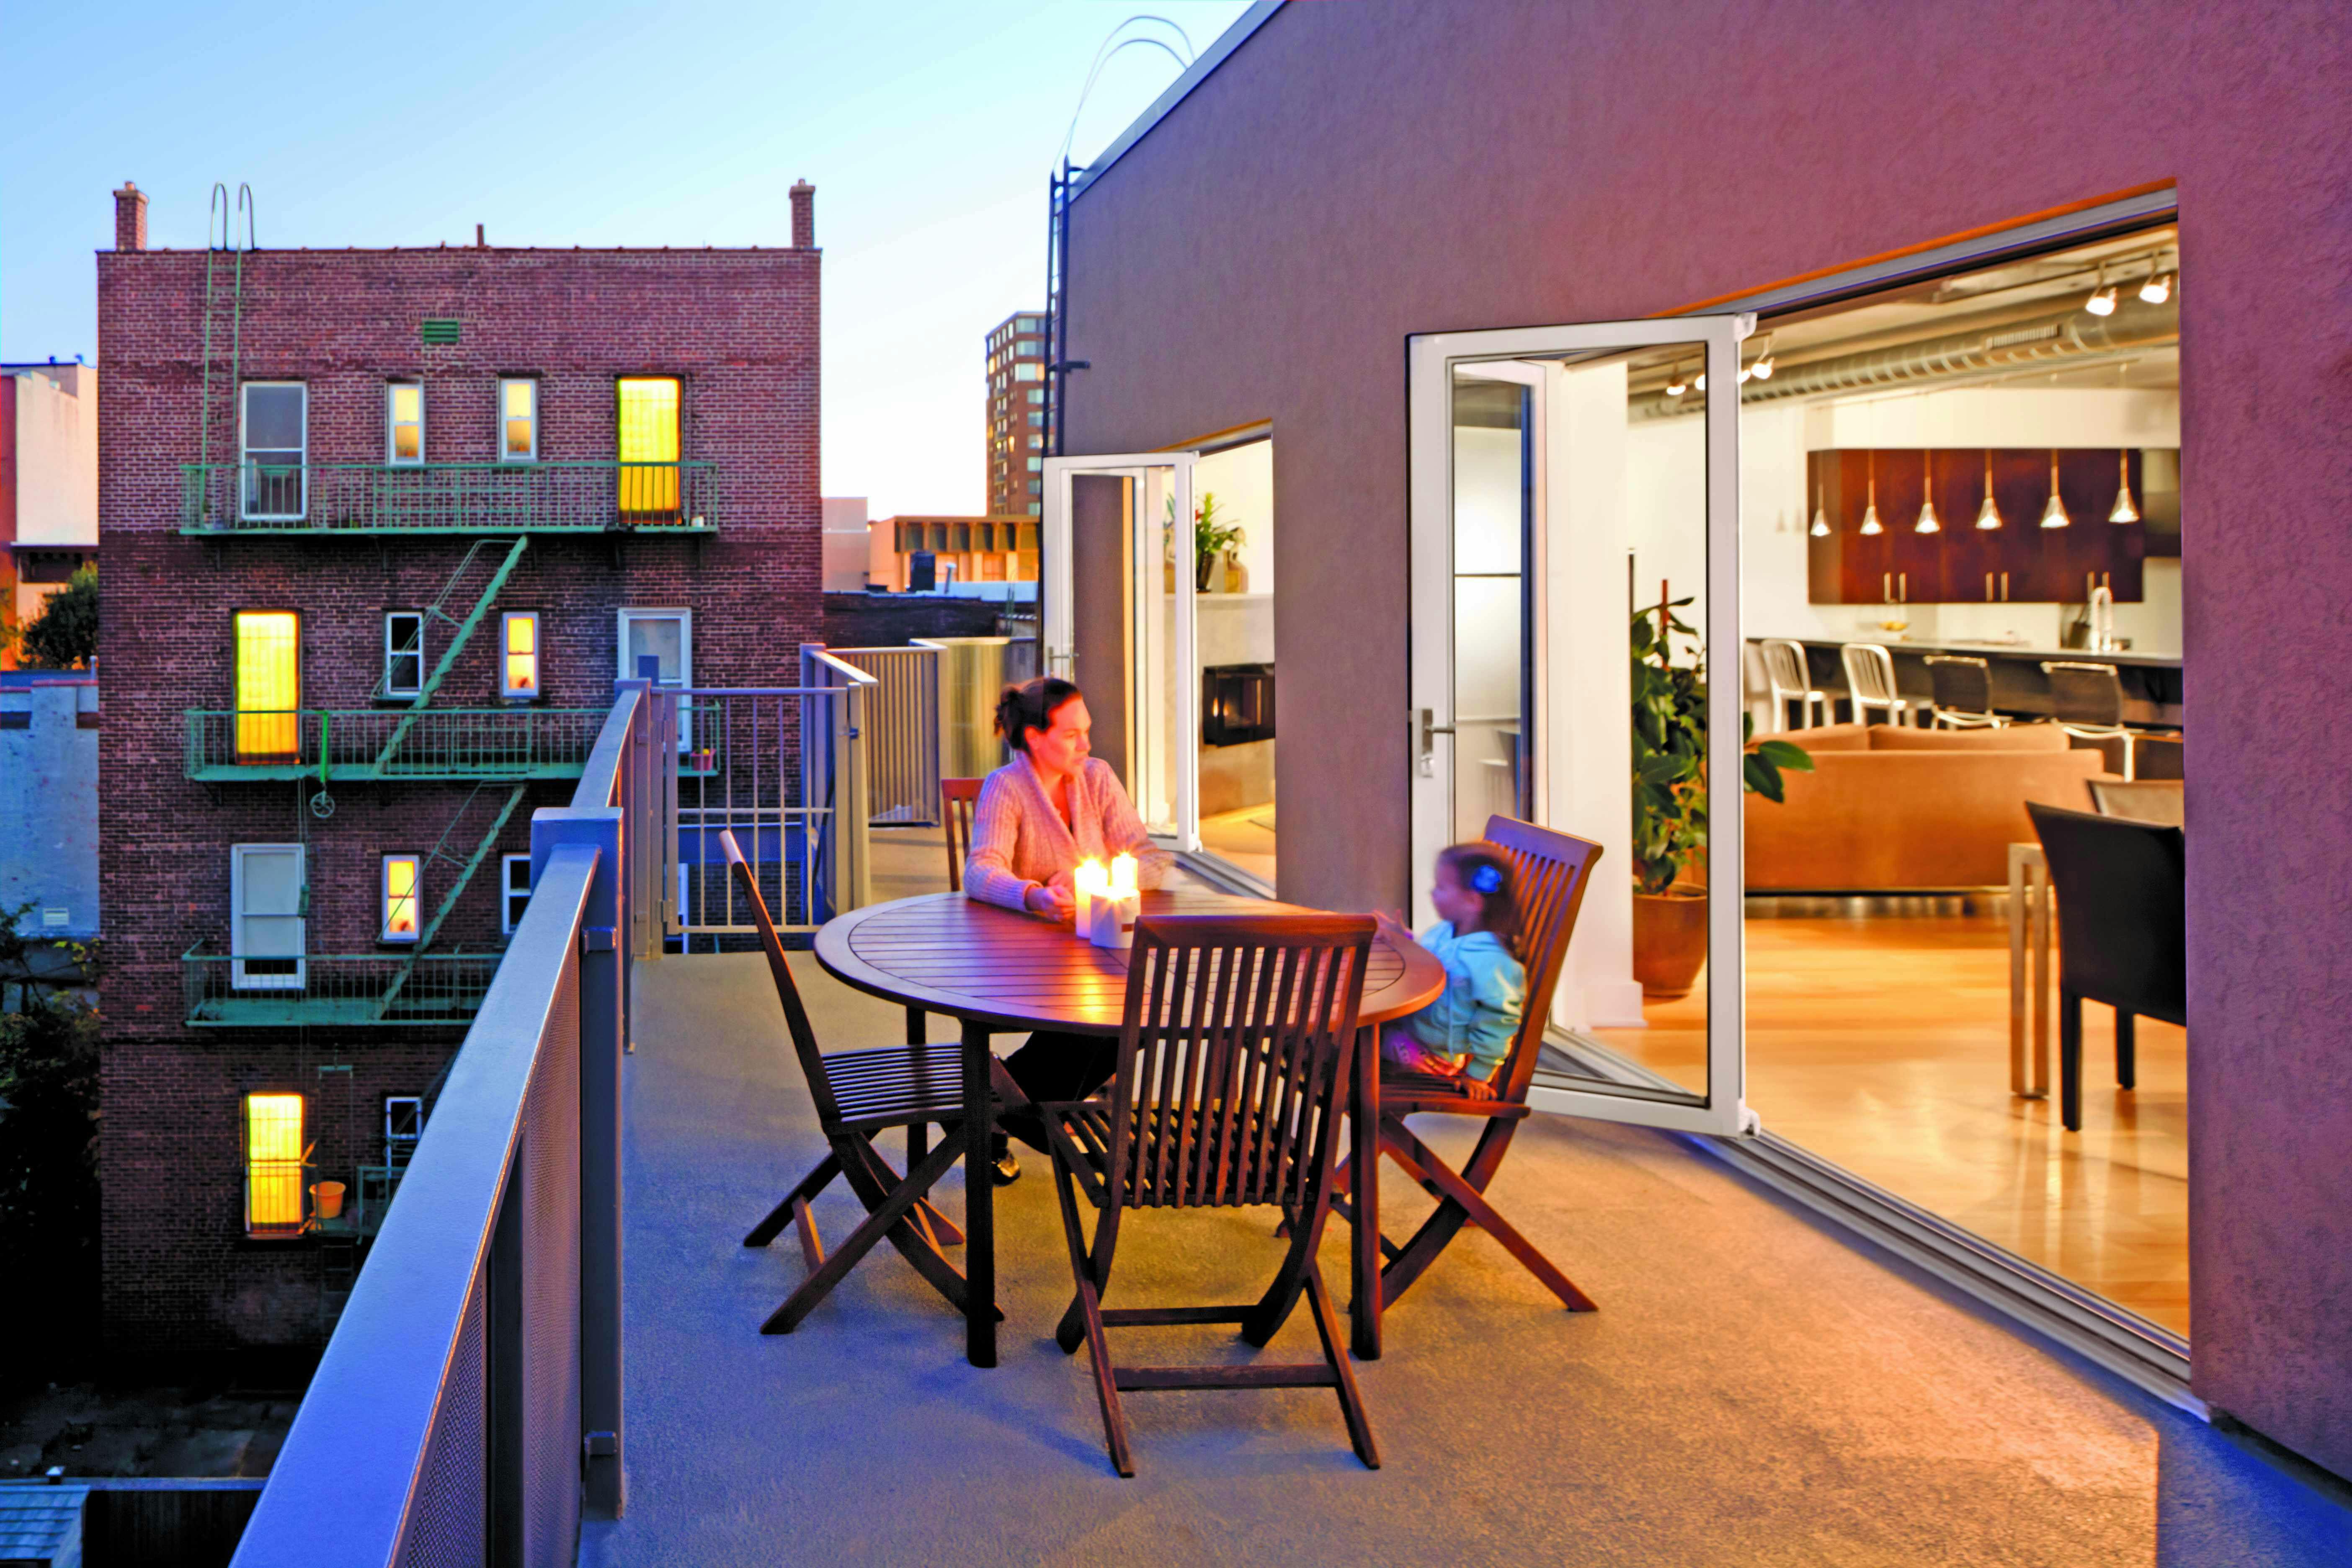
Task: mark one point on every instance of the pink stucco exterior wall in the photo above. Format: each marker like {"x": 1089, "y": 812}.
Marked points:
{"x": 1357, "y": 172}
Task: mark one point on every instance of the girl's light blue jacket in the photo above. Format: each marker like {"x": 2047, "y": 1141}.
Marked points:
{"x": 1485, "y": 989}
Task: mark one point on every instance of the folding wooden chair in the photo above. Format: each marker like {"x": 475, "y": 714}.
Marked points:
{"x": 958, "y": 798}
{"x": 1548, "y": 874}
{"x": 857, "y": 1094}
{"x": 1233, "y": 1056}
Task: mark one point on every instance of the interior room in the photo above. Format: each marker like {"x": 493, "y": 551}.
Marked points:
{"x": 1944, "y": 492}
{"x": 1232, "y": 498}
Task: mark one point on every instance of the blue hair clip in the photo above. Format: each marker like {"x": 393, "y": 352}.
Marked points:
{"x": 1488, "y": 879}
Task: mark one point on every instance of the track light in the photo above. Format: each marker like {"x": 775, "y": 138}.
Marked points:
{"x": 1871, "y": 526}
{"x": 1675, "y": 384}
{"x": 1701, "y": 382}
{"x": 2124, "y": 511}
{"x": 1927, "y": 522}
{"x": 2053, "y": 513}
{"x": 1988, "y": 514}
{"x": 2102, "y": 301}
{"x": 1762, "y": 368}
{"x": 1820, "y": 528}
{"x": 2157, "y": 289}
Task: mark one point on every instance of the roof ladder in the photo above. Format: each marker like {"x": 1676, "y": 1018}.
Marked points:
{"x": 466, "y": 870}
{"x": 464, "y": 632}
{"x": 225, "y": 231}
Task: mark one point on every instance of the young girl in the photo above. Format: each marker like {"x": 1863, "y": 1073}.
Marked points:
{"x": 1466, "y": 1032}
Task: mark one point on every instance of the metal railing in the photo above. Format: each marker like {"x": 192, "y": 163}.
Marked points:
{"x": 900, "y": 727}
{"x": 469, "y": 1405}
{"x": 513, "y": 742}
{"x": 771, "y": 763}
{"x": 449, "y": 498}
{"x": 227, "y": 991}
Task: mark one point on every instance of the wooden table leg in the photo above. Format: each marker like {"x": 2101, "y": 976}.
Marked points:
{"x": 2037, "y": 877}
{"x": 2017, "y": 917}
{"x": 1364, "y": 1233}
{"x": 979, "y": 1200}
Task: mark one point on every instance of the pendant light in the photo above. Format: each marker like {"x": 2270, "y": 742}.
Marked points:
{"x": 1871, "y": 527}
{"x": 2157, "y": 289}
{"x": 1988, "y": 514}
{"x": 2053, "y": 513}
{"x": 1927, "y": 522}
{"x": 2124, "y": 512}
{"x": 1820, "y": 528}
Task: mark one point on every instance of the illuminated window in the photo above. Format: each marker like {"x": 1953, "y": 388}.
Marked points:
{"x": 404, "y": 889}
{"x": 518, "y": 655}
{"x": 1028, "y": 369}
{"x": 649, "y": 448}
{"x": 404, "y": 422}
{"x": 273, "y": 1163}
{"x": 518, "y": 420}
{"x": 269, "y": 661}
{"x": 514, "y": 890}
{"x": 404, "y": 653}
{"x": 273, "y": 424}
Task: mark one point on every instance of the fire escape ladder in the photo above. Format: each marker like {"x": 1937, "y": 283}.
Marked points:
{"x": 437, "y": 854}
{"x": 438, "y": 611}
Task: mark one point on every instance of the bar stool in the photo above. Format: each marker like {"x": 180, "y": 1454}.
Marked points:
{"x": 1785, "y": 678}
{"x": 1870, "y": 683}
{"x": 2088, "y": 699}
{"x": 1963, "y": 698}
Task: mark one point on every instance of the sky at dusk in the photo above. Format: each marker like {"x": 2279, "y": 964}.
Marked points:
{"x": 927, "y": 127}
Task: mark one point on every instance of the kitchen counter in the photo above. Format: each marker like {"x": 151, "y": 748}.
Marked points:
{"x": 2126, "y": 657}
{"x": 2151, "y": 682}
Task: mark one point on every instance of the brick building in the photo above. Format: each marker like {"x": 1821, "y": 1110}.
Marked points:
{"x": 383, "y": 527}
{"x": 1016, "y": 415}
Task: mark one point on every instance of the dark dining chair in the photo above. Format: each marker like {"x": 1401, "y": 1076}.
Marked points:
{"x": 2088, "y": 701}
{"x": 1549, "y": 872}
{"x": 858, "y": 1094}
{"x": 1233, "y": 1062}
{"x": 1963, "y": 687}
{"x": 2123, "y": 932}
{"x": 2141, "y": 799}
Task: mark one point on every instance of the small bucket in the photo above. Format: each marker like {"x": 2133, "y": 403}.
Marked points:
{"x": 329, "y": 1196}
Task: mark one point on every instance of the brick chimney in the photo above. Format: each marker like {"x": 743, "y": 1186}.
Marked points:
{"x": 130, "y": 217}
{"x": 803, "y": 216}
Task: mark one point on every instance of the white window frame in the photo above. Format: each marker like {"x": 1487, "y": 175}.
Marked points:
{"x": 538, "y": 656}
{"x": 531, "y": 382}
{"x": 513, "y": 901}
{"x": 685, "y": 617}
{"x": 393, "y": 652}
{"x": 245, "y": 454}
{"x": 240, "y": 941}
{"x": 392, "y": 457}
{"x": 415, "y": 899}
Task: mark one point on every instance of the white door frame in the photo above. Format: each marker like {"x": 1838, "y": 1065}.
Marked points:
{"x": 1057, "y": 622}
{"x": 1431, "y": 360}
{"x": 685, "y": 619}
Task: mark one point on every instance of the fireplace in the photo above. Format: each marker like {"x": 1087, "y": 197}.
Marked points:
{"x": 1236, "y": 704}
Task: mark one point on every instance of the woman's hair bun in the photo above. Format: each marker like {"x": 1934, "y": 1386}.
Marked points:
{"x": 1031, "y": 706}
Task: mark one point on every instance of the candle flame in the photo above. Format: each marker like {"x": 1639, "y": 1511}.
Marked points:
{"x": 1122, "y": 877}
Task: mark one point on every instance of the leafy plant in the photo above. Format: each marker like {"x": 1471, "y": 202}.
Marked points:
{"x": 1670, "y": 804}
{"x": 1210, "y": 536}
{"x": 64, "y": 636}
{"x": 49, "y": 1156}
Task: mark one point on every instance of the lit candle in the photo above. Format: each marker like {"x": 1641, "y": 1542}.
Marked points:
{"x": 1091, "y": 882}
{"x": 1122, "y": 877}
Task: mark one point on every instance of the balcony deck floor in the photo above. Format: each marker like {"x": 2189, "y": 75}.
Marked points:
{"x": 1755, "y": 1389}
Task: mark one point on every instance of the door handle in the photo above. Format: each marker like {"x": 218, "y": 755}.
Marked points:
{"x": 1429, "y": 731}
{"x": 1887, "y": 587}
{"x": 1903, "y": 587}
{"x": 1988, "y": 587}
{"x": 2004, "y": 587}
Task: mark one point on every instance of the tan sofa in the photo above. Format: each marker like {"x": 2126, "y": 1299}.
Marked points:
{"x": 1892, "y": 809}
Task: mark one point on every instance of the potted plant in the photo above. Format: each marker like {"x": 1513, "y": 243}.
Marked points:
{"x": 1670, "y": 802}
{"x": 1212, "y": 542}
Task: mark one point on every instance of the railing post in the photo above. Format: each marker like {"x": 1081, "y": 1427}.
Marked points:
{"x": 602, "y": 1030}
{"x": 853, "y": 802}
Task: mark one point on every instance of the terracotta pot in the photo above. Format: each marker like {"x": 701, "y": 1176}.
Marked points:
{"x": 1669, "y": 942}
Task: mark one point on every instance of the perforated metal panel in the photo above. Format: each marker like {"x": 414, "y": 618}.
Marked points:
{"x": 551, "y": 1262}
{"x": 449, "y": 1526}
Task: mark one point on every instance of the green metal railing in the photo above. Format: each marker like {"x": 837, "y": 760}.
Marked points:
{"x": 447, "y": 498}
{"x": 350, "y": 744}
{"x": 353, "y": 989}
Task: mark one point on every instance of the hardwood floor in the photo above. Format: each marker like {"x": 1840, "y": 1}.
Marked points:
{"x": 1244, "y": 838}
{"x": 1881, "y": 1044}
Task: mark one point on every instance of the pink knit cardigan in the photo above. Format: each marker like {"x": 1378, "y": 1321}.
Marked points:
{"x": 1019, "y": 840}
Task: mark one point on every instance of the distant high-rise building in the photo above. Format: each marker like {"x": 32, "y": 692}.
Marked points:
{"x": 1016, "y": 415}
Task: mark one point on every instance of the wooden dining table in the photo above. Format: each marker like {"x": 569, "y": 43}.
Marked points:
{"x": 998, "y": 972}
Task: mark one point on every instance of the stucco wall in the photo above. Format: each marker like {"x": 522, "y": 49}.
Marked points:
{"x": 1355, "y": 174}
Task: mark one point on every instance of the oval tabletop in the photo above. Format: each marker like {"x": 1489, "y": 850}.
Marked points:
{"x": 947, "y": 953}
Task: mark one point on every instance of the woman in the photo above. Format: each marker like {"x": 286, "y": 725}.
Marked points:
{"x": 1052, "y": 807}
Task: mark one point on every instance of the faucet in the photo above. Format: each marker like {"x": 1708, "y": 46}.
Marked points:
{"x": 2103, "y": 620}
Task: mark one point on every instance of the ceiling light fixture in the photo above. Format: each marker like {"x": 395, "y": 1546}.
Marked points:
{"x": 1763, "y": 366}
{"x": 1675, "y": 384}
{"x": 2124, "y": 512}
{"x": 1701, "y": 382}
{"x": 2102, "y": 301}
{"x": 1871, "y": 526}
{"x": 1820, "y": 528}
{"x": 2053, "y": 513}
{"x": 2158, "y": 287}
{"x": 1927, "y": 522}
{"x": 1988, "y": 514}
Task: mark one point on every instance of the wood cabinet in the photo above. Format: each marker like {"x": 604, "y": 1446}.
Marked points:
{"x": 2019, "y": 562}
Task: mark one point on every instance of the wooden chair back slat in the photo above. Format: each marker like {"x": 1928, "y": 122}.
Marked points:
{"x": 788, "y": 992}
{"x": 1237, "y": 1034}
{"x": 1549, "y": 872}
{"x": 958, "y": 799}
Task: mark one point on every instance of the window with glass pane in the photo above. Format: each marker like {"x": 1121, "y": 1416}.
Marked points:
{"x": 268, "y": 673}
{"x": 404, "y": 1128}
{"x": 518, "y": 655}
{"x": 1491, "y": 517}
{"x": 518, "y": 420}
{"x": 404, "y": 653}
{"x": 514, "y": 890}
{"x": 273, "y": 1163}
{"x": 648, "y": 448}
{"x": 402, "y": 889}
{"x": 274, "y": 425}
{"x": 404, "y": 418}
